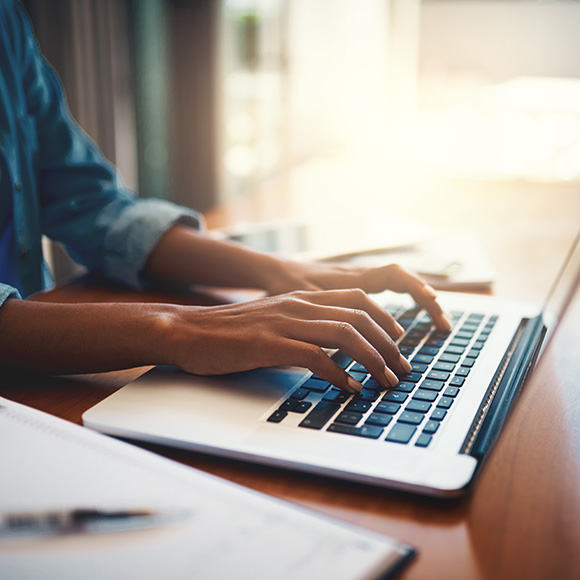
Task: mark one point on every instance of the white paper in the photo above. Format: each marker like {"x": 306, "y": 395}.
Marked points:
{"x": 232, "y": 532}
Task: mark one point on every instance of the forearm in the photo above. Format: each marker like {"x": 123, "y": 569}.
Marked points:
{"x": 183, "y": 255}
{"x": 79, "y": 338}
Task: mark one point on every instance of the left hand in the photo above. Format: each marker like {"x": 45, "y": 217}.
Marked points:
{"x": 308, "y": 276}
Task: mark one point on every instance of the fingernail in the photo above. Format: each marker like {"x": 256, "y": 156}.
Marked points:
{"x": 405, "y": 364}
{"x": 391, "y": 377}
{"x": 354, "y": 384}
{"x": 399, "y": 328}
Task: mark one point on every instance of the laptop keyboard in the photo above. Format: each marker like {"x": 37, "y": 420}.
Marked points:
{"x": 413, "y": 411}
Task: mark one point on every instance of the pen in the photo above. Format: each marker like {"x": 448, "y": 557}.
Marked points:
{"x": 81, "y": 520}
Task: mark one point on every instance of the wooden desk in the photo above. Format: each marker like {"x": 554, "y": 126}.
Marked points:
{"x": 522, "y": 517}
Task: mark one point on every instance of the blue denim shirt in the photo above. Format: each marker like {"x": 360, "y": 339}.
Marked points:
{"x": 55, "y": 181}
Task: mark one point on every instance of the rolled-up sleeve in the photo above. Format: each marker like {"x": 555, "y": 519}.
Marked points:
{"x": 83, "y": 202}
{"x": 6, "y": 292}
{"x": 133, "y": 235}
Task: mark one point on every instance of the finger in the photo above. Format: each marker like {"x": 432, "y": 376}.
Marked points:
{"x": 355, "y": 313}
{"x": 399, "y": 279}
{"x": 356, "y": 298}
{"x": 313, "y": 357}
{"x": 344, "y": 336}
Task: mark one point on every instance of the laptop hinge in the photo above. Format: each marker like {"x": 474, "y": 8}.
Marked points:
{"x": 505, "y": 387}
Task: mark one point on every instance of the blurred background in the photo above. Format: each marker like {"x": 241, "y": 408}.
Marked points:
{"x": 364, "y": 125}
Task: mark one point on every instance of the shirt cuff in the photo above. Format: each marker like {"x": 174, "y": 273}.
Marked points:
{"x": 135, "y": 233}
{"x": 6, "y": 292}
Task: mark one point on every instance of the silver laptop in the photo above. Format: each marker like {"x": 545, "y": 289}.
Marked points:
{"x": 428, "y": 435}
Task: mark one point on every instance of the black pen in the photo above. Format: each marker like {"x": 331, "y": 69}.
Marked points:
{"x": 82, "y": 520}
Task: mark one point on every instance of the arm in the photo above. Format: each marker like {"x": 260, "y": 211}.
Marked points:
{"x": 186, "y": 256}
{"x": 289, "y": 329}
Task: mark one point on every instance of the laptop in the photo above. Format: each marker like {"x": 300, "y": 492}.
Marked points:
{"x": 428, "y": 435}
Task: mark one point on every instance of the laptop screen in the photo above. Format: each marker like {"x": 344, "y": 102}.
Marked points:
{"x": 563, "y": 289}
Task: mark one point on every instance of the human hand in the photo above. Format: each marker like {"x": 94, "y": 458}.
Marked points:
{"x": 320, "y": 276}
{"x": 289, "y": 329}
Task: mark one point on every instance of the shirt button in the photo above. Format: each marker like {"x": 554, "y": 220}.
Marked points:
{"x": 18, "y": 185}
{"x": 23, "y": 253}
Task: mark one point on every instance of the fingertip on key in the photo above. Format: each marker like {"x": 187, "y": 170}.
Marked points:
{"x": 354, "y": 384}
{"x": 392, "y": 378}
{"x": 405, "y": 364}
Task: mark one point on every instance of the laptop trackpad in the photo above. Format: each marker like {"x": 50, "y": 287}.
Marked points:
{"x": 170, "y": 403}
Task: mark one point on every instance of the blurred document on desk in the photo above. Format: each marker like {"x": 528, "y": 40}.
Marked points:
{"x": 229, "y": 532}
{"x": 447, "y": 261}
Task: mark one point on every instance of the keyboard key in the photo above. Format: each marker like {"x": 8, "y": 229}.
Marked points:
{"x": 405, "y": 386}
{"x": 451, "y": 349}
{"x": 431, "y": 427}
{"x": 444, "y": 366}
{"x": 460, "y": 342}
{"x": 277, "y": 416}
{"x": 451, "y": 392}
{"x": 432, "y": 385}
{"x": 316, "y": 385}
{"x": 358, "y": 406}
{"x": 367, "y": 395}
{"x": 411, "y": 417}
{"x": 288, "y": 405}
{"x": 339, "y": 428}
{"x": 478, "y": 345}
{"x": 438, "y": 415}
{"x": 299, "y": 394}
{"x": 388, "y": 407}
{"x": 371, "y": 384}
{"x": 350, "y": 418}
{"x": 381, "y": 419}
{"x": 370, "y": 431}
{"x": 358, "y": 367}
{"x": 337, "y": 396}
{"x": 449, "y": 357}
{"x": 468, "y": 362}
{"x": 418, "y": 406}
{"x": 438, "y": 375}
{"x": 445, "y": 402}
{"x": 401, "y": 433}
{"x": 462, "y": 371}
{"x": 424, "y": 395}
{"x": 464, "y": 335}
{"x": 395, "y": 397}
{"x": 435, "y": 342}
{"x": 320, "y": 415}
{"x": 341, "y": 359}
{"x": 429, "y": 350}
{"x": 457, "y": 381}
{"x": 418, "y": 367}
{"x": 411, "y": 377}
{"x": 423, "y": 440}
{"x": 302, "y": 407}
{"x": 358, "y": 375}
{"x": 423, "y": 358}
{"x": 476, "y": 316}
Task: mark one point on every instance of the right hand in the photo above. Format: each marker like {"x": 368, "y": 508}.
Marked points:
{"x": 289, "y": 329}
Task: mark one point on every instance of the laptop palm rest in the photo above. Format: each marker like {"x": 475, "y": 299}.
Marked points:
{"x": 167, "y": 405}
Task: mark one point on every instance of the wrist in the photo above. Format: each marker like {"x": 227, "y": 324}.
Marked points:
{"x": 159, "y": 337}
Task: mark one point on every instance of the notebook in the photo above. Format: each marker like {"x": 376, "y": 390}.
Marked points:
{"x": 204, "y": 527}
{"x": 428, "y": 435}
